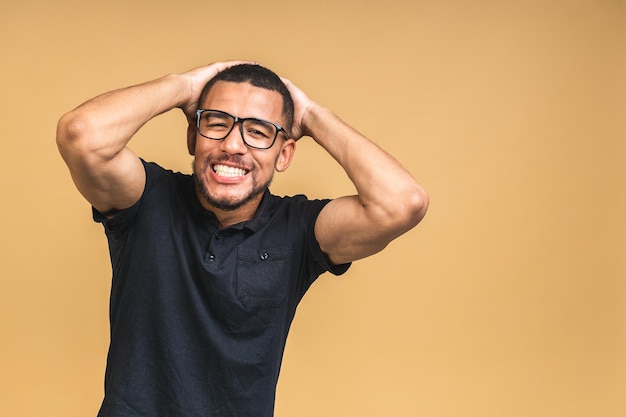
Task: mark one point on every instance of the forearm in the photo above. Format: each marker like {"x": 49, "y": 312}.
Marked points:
{"x": 386, "y": 191}
{"x": 104, "y": 125}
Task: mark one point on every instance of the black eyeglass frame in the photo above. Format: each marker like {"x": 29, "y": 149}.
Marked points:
{"x": 237, "y": 119}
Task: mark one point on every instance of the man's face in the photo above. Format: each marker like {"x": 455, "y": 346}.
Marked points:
{"x": 229, "y": 174}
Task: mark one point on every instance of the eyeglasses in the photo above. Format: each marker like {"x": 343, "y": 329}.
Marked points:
{"x": 256, "y": 133}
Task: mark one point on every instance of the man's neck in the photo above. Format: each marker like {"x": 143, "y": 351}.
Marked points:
{"x": 231, "y": 217}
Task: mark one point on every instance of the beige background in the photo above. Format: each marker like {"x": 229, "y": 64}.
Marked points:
{"x": 508, "y": 300}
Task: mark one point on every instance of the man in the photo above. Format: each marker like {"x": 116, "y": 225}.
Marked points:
{"x": 208, "y": 268}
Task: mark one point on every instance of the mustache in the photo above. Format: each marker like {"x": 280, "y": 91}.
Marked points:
{"x": 236, "y": 160}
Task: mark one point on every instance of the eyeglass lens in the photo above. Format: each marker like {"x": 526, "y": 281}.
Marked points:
{"x": 256, "y": 133}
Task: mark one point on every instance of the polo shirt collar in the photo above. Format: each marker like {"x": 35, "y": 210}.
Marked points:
{"x": 260, "y": 218}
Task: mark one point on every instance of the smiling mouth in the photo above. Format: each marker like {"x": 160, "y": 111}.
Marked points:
{"x": 227, "y": 171}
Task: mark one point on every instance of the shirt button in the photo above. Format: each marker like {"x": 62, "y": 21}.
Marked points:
{"x": 212, "y": 258}
{"x": 264, "y": 256}
{"x": 218, "y": 235}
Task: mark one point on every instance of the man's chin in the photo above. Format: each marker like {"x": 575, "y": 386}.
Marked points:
{"x": 230, "y": 203}
{"x": 226, "y": 205}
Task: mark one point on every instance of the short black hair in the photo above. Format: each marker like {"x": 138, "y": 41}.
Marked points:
{"x": 258, "y": 76}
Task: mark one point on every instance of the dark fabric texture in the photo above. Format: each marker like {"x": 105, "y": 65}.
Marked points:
{"x": 199, "y": 315}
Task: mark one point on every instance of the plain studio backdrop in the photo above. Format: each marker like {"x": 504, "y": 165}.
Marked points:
{"x": 509, "y": 299}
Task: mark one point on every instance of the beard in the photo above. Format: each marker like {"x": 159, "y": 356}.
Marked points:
{"x": 227, "y": 203}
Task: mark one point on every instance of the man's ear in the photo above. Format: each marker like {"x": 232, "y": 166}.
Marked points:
{"x": 191, "y": 138}
{"x": 285, "y": 156}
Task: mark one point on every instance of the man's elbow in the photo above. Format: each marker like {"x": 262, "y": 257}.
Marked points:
{"x": 69, "y": 131}
{"x": 401, "y": 211}
{"x": 414, "y": 207}
{"x": 74, "y": 135}
{"x": 405, "y": 209}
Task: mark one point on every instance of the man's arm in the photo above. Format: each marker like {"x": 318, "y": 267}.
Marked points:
{"x": 92, "y": 138}
{"x": 389, "y": 201}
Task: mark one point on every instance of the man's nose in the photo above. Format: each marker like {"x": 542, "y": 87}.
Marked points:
{"x": 233, "y": 143}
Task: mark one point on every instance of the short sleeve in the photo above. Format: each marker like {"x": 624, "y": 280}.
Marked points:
{"x": 117, "y": 223}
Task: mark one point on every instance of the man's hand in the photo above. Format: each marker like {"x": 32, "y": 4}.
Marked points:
{"x": 196, "y": 79}
{"x": 302, "y": 107}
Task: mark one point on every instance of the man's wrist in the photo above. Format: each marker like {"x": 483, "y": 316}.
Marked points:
{"x": 311, "y": 118}
{"x": 181, "y": 89}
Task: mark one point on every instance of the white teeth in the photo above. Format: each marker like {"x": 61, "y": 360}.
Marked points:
{"x": 226, "y": 171}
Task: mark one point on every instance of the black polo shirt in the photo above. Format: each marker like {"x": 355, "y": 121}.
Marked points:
{"x": 199, "y": 315}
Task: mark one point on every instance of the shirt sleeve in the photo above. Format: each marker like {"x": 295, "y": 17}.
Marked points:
{"x": 308, "y": 212}
{"x": 320, "y": 257}
{"x": 117, "y": 223}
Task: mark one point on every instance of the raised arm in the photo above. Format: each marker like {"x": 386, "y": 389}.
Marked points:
{"x": 92, "y": 138}
{"x": 389, "y": 201}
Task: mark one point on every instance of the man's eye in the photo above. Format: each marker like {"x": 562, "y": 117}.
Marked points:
{"x": 259, "y": 129}
{"x": 258, "y": 133}
{"x": 216, "y": 125}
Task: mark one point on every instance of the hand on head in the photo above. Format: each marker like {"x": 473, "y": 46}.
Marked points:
{"x": 302, "y": 105}
{"x": 197, "y": 79}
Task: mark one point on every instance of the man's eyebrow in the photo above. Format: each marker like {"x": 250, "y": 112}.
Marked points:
{"x": 216, "y": 113}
